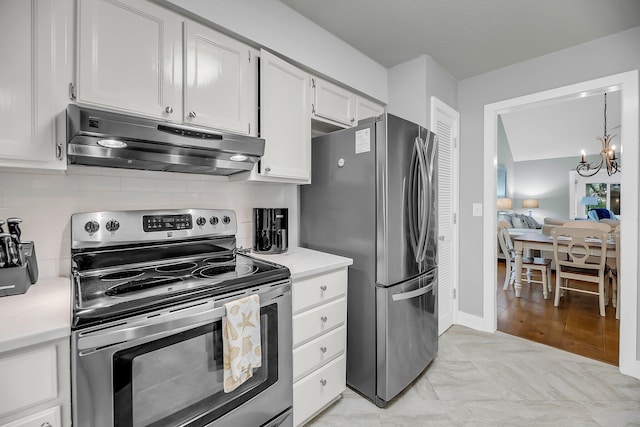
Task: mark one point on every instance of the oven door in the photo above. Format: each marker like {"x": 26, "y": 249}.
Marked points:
{"x": 165, "y": 368}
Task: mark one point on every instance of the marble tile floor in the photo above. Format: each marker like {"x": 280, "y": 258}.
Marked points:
{"x": 482, "y": 379}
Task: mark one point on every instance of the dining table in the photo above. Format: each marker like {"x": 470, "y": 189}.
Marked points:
{"x": 544, "y": 242}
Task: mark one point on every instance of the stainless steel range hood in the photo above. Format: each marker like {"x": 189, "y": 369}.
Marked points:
{"x": 101, "y": 138}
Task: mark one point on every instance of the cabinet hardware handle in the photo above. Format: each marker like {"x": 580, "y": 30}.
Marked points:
{"x": 168, "y": 110}
{"x": 192, "y": 114}
{"x": 267, "y": 169}
{"x": 59, "y": 151}
{"x": 45, "y": 424}
{"x": 323, "y": 288}
{"x": 324, "y": 319}
{"x": 323, "y": 349}
{"x": 352, "y": 120}
{"x": 323, "y": 382}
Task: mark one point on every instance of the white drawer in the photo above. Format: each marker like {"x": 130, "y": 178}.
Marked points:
{"x": 47, "y": 418}
{"x": 312, "y": 355}
{"x": 316, "y": 290}
{"x": 319, "y": 320}
{"x": 28, "y": 378}
{"x": 315, "y": 391}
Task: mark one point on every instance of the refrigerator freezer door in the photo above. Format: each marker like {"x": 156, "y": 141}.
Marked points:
{"x": 407, "y": 333}
{"x": 406, "y": 200}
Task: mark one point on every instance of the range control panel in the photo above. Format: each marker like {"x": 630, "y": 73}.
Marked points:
{"x": 94, "y": 229}
{"x": 167, "y": 222}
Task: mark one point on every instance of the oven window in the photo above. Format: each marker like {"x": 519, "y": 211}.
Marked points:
{"x": 179, "y": 379}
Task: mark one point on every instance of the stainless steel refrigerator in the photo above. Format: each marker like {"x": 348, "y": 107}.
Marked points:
{"x": 373, "y": 197}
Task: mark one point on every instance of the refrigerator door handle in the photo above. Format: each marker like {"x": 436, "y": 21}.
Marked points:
{"x": 423, "y": 211}
{"x": 412, "y": 294}
{"x": 414, "y": 199}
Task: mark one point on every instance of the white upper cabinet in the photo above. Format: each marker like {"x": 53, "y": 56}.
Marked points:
{"x": 220, "y": 81}
{"x": 366, "y": 109}
{"x": 130, "y": 57}
{"x": 36, "y": 47}
{"x": 333, "y": 103}
{"x": 285, "y": 120}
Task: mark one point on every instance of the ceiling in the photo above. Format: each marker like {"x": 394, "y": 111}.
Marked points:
{"x": 467, "y": 37}
{"x": 562, "y": 129}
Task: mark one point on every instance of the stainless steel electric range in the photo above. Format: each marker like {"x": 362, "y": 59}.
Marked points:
{"x": 149, "y": 289}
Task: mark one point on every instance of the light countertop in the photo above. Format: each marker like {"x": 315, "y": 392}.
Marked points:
{"x": 304, "y": 262}
{"x": 41, "y": 314}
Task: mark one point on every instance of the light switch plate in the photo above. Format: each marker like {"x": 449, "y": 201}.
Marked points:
{"x": 477, "y": 209}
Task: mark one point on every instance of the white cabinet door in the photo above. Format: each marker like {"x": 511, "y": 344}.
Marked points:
{"x": 366, "y": 109}
{"x": 220, "y": 82}
{"x": 130, "y": 57}
{"x": 333, "y": 103}
{"x": 285, "y": 121}
{"x": 34, "y": 80}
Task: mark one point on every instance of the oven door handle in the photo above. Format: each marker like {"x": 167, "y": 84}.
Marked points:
{"x": 170, "y": 325}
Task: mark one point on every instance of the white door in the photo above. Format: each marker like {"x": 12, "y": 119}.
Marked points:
{"x": 445, "y": 122}
{"x": 130, "y": 57}
{"x": 220, "y": 83}
{"x": 333, "y": 102}
{"x": 285, "y": 121}
{"x": 34, "y": 80}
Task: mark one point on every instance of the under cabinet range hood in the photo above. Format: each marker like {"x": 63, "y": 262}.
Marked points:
{"x": 107, "y": 139}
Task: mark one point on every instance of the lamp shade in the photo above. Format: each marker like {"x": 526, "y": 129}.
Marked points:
{"x": 589, "y": 201}
{"x": 531, "y": 203}
{"x": 505, "y": 204}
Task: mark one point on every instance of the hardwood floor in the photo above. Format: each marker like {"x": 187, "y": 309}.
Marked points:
{"x": 575, "y": 325}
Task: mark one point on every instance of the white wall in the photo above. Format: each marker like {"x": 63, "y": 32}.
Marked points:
{"x": 606, "y": 56}
{"x": 284, "y": 31}
{"x": 413, "y": 83}
{"x": 408, "y": 91}
{"x": 46, "y": 201}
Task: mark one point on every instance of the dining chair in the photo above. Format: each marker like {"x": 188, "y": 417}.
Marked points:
{"x": 615, "y": 273}
{"x": 581, "y": 264}
{"x": 543, "y": 265}
{"x": 589, "y": 224}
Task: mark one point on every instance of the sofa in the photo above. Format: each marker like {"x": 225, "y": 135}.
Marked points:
{"x": 549, "y": 223}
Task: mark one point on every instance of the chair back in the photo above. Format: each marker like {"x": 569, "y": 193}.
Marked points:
{"x": 580, "y": 242}
{"x": 616, "y": 238}
{"x": 506, "y": 245}
{"x": 588, "y": 224}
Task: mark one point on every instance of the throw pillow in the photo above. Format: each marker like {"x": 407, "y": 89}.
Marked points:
{"x": 506, "y": 218}
{"x": 529, "y": 221}
{"x": 516, "y": 220}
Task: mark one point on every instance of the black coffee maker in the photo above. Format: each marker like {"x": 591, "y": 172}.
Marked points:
{"x": 270, "y": 230}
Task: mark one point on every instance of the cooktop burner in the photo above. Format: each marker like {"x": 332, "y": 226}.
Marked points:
{"x": 177, "y": 268}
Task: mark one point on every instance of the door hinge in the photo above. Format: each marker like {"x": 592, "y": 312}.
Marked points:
{"x": 249, "y": 128}
{"x": 455, "y": 218}
{"x": 249, "y": 56}
{"x": 313, "y": 109}
{"x": 455, "y": 294}
{"x": 455, "y": 142}
{"x": 313, "y": 83}
{"x": 72, "y": 91}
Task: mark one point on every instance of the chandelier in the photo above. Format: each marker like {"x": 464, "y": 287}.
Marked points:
{"x": 607, "y": 154}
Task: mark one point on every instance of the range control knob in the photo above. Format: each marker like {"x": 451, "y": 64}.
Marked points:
{"x": 91, "y": 226}
{"x": 201, "y": 221}
{"x": 213, "y": 220}
{"x": 112, "y": 225}
{"x": 226, "y": 220}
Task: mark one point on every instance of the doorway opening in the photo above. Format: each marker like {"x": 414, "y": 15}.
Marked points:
{"x": 627, "y": 83}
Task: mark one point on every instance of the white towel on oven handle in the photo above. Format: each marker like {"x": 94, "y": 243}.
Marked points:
{"x": 241, "y": 347}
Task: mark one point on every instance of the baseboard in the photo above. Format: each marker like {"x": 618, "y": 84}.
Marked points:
{"x": 474, "y": 322}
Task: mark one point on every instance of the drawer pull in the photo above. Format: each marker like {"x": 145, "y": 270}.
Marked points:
{"x": 323, "y": 288}
{"x": 324, "y": 319}
{"x": 323, "y": 382}
{"x": 45, "y": 424}
{"x": 323, "y": 349}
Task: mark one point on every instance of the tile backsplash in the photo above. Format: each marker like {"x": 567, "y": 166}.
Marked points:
{"x": 46, "y": 200}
